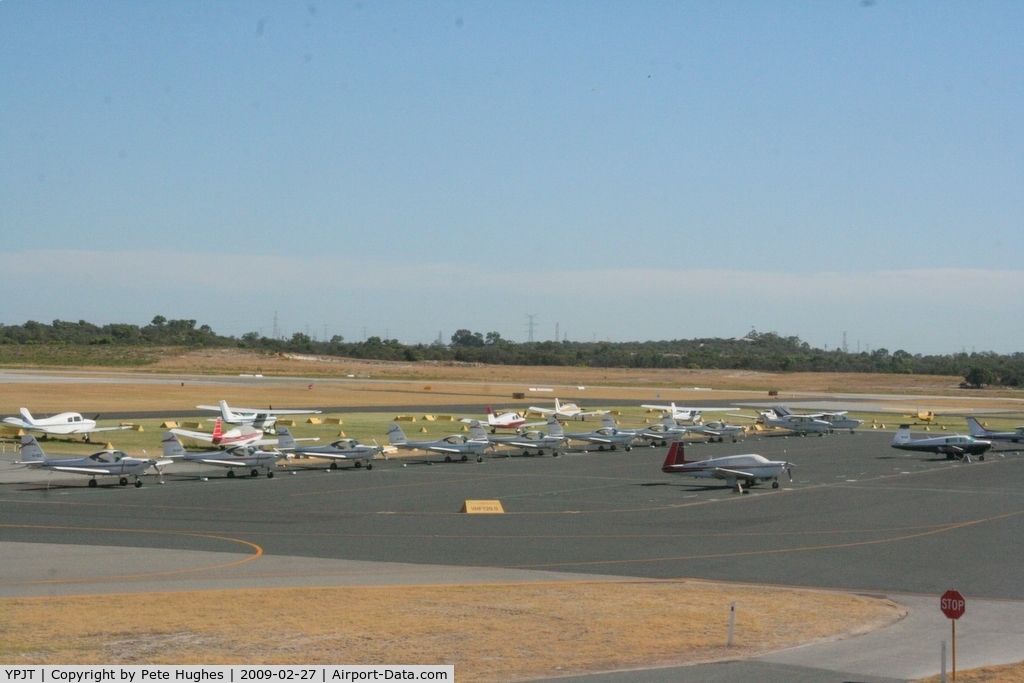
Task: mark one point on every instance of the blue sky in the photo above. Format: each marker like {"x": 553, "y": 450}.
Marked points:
{"x": 627, "y": 170}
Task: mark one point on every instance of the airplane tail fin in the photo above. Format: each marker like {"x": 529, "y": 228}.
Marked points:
{"x": 976, "y": 428}
{"x": 676, "y": 456}
{"x": 490, "y": 416}
{"x": 172, "y": 447}
{"x": 902, "y": 435}
{"x": 225, "y": 411}
{"x": 28, "y": 416}
{"x": 30, "y": 450}
{"x": 285, "y": 440}
{"x": 782, "y": 411}
{"x": 555, "y": 427}
{"x": 477, "y": 432}
{"x": 608, "y": 421}
{"x": 395, "y": 435}
{"x": 669, "y": 421}
{"x": 218, "y": 430}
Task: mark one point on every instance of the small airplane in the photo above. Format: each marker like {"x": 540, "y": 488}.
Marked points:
{"x": 105, "y": 463}
{"x": 735, "y": 470}
{"x": 979, "y": 432}
{"x": 64, "y": 424}
{"x": 953, "y": 446}
{"x": 717, "y": 431}
{"x": 838, "y": 420}
{"x": 679, "y": 414}
{"x": 534, "y": 440}
{"x": 257, "y": 417}
{"x": 565, "y": 411}
{"x": 800, "y": 424}
{"x": 661, "y": 434}
{"x": 244, "y": 435}
{"x": 506, "y": 420}
{"x": 608, "y": 435}
{"x": 342, "y": 450}
{"x": 242, "y": 457}
{"x": 455, "y": 444}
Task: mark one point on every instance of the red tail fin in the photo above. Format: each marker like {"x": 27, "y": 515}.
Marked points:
{"x": 489, "y": 411}
{"x": 218, "y": 431}
{"x": 675, "y": 456}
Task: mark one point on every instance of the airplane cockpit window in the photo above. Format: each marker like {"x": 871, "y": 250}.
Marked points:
{"x": 102, "y": 456}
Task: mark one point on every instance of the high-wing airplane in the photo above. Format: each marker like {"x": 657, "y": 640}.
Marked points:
{"x": 534, "y": 440}
{"x": 454, "y": 445}
{"x": 838, "y": 420}
{"x": 953, "y": 445}
{"x": 566, "y": 411}
{"x": 105, "y": 463}
{"x": 244, "y": 435}
{"x": 506, "y": 420}
{"x": 64, "y": 424}
{"x": 680, "y": 414}
{"x": 243, "y": 457}
{"x": 342, "y": 450}
{"x": 979, "y": 432}
{"x": 257, "y": 417}
{"x": 608, "y": 435}
{"x": 735, "y": 470}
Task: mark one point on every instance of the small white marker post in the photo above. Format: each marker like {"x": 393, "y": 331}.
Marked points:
{"x": 942, "y": 668}
{"x": 732, "y": 621}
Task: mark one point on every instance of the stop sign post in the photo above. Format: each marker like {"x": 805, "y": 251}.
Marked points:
{"x": 953, "y": 606}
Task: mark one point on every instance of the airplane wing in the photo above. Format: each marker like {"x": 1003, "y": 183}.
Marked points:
{"x": 667, "y": 409}
{"x": 266, "y": 411}
{"x": 441, "y": 449}
{"x": 102, "y": 429}
{"x": 591, "y": 412}
{"x": 725, "y": 473}
{"x": 201, "y": 436}
{"x": 223, "y": 463}
{"x": 540, "y": 411}
{"x": 85, "y": 470}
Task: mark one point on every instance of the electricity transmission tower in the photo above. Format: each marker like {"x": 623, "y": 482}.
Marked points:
{"x": 531, "y": 324}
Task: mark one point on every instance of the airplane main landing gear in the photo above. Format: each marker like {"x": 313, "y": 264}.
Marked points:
{"x": 447, "y": 458}
{"x": 123, "y": 481}
{"x": 255, "y": 473}
{"x": 465, "y": 458}
{"x": 775, "y": 484}
{"x": 231, "y": 474}
{"x": 92, "y": 483}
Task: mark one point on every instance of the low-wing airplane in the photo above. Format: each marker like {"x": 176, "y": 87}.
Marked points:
{"x": 342, "y": 450}
{"x": 608, "y": 435}
{"x": 838, "y": 420}
{"x": 735, "y": 470}
{"x": 953, "y": 445}
{"x": 680, "y": 414}
{"x": 800, "y": 424}
{"x": 257, "y": 417}
{"x": 454, "y": 445}
{"x": 534, "y": 440}
{"x": 980, "y": 432}
{"x": 64, "y": 424}
{"x": 105, "y": 463}
{"x": 717, "y": 431}
{"x": 244, "y": 435}
{"x": 667, "y": 430}
{"x": 565, "y": 411}
{"x": 243, "y": 457}
{"x": 506, "y": 420}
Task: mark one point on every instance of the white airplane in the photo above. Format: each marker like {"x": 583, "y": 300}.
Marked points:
{"x": 608, "y": 435}
{"x": 799, "y": 424}
{"x": 953, "y": 446}
{"x": 105, "y": 463}
{"x": 342, "y": 450}
{"x": 566, "y": 411}
{"x": 735, "y": 470}
{"x": 243, "y": 457}
{"x": 506, "y": 420}
{"x": 64, "y": 424}
{"x": 838, "y": 420}
{"x": 979, "y": 432}
{"x": 717, "y": 431}
{"x": 534, "y": 440}
{"x": 455, "y": 444}
{"x": 257, "y": 417}
{"x": 679, "y": 414}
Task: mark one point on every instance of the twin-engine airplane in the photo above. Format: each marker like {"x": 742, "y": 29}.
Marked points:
{"x": 257, "y": 417}
{"x": 342, "y": 450}
{"x": 565, "y": 411}
{"x": 453, "y": 445}
{"x": 64, "y": 424}
{"x": 979, "y": 432}
{"x": 735, "y": 470}
{"x": 681, "y": 414}
{"x": 241, "y": 457}
{"x": 608, "y": 435}
{"x": 952, "y": 446}
{"x": 105, "y": 463}
{"x": 535, "y": 441}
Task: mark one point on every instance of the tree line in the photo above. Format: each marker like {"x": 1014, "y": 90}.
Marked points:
{"x": 764, "y": 351}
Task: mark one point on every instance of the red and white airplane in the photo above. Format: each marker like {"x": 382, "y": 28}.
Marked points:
{"x": 244, "y": 435}
{"x": 565, "y": 411}
{"x": 506, "y": 420}
{"x": 736, "y": 470}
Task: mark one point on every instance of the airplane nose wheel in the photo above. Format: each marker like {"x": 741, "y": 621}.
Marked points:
{"x": 270, "y": 474}
{"x": 138, "y": 483}
{"x": 775, "y": 484}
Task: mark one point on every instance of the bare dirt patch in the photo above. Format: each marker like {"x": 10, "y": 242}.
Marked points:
{"x": 490, "y": 632}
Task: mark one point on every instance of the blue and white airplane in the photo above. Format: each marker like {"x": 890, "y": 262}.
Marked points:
{"x": 105, "y": 463}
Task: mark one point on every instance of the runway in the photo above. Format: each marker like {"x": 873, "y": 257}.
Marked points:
{"x": 857, "y": 516}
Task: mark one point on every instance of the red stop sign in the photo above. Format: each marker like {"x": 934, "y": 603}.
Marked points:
{"x": 952, "y": 604}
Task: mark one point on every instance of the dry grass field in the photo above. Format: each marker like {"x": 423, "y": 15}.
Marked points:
{"x": 1010, "y": 673}
{"x": 489, "y": 632}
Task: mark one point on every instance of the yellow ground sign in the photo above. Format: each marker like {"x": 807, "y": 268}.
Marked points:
{"x": 483, "y": 507}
